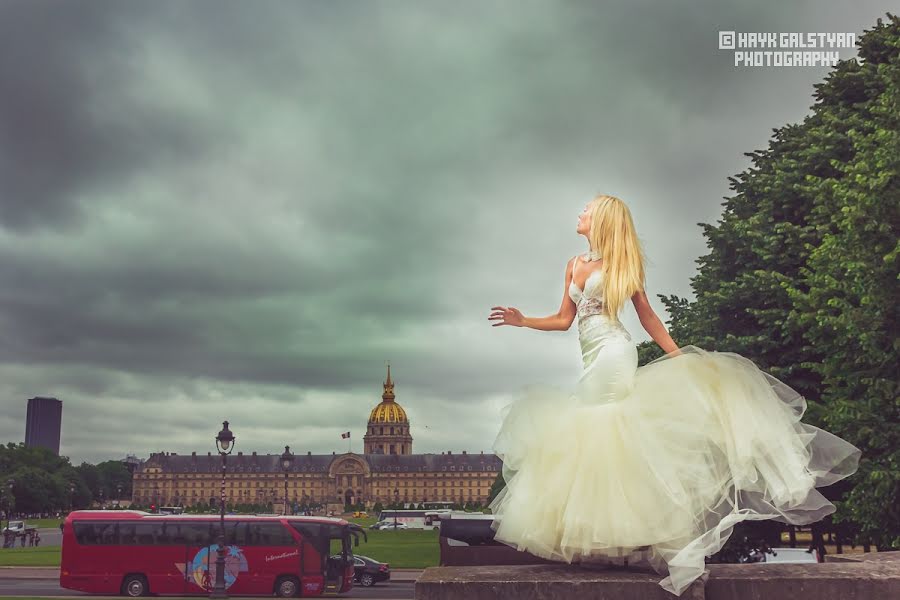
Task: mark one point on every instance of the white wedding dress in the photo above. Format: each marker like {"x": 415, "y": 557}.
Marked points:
{"x": 656, "y": 464}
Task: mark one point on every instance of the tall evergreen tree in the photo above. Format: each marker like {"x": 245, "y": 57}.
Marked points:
{"x": 802, "y": 272}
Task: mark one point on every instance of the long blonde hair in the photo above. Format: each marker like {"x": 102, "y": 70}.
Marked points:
{"x": 614, "y": 236}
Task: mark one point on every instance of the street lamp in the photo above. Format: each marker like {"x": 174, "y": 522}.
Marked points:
{"x": 118, "y": 494}
{"x": 287, "y": 461}
{"x": 224, "y": 444}
{"x": 71, "y": 496}
{"x": 10, "y": 483}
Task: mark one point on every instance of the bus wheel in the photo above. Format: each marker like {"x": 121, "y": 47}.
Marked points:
{"x": 367, "y": 580}
{"x": 287, "y": 587}
{"x": 134, "y": 586}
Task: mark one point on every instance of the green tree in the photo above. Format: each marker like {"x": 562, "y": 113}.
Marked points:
{"x": 802, "y": 273}
{"x": 112, "y": 474}
{"x": 845, "y": 303}
{"x": 499, "y": 484}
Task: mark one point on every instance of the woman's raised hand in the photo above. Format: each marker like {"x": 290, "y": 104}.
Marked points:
{"x": 508, "y": 316}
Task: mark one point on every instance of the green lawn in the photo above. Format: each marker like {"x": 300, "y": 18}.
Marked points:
{"x": 42, "y": 556}
{"x": 39, "y": 522}
{"x": 402, "y": 549}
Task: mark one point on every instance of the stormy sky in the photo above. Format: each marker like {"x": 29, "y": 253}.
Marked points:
{"x": 230, "y": 210}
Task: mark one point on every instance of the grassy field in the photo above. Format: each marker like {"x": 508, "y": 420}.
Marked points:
{"x": 402, "y": 549}
{"x": 42, "y": 556}
{"x": 39, "y": 522}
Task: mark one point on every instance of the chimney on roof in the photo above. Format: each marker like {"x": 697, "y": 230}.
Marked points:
{"x": 449, "y": 452}
{"x": 174, "y": 454}
{"x": 309, "y": 453}
{"x": 254, "y": 454}
{"x": 193, "y": 455}
{"x": 482, "y": 451}
{"x": 464, "y": 451}
{"x": 240, "y": 453}
{"x": 209, "y": 453}
{"x": 333, "y": 453}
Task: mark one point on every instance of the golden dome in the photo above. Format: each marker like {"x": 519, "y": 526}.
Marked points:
{"x": 388, "y": 411}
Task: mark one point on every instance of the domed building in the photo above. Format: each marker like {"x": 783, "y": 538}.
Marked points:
{"x": 386, "y": 471}
{"x": 388, "y": 429}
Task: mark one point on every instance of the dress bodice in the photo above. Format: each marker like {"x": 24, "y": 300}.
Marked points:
{"x": 588, "y": 301}
{"x": 596, "y": 330}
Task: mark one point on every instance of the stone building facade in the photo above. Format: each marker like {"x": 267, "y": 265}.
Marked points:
{"x": 387, "y": 471}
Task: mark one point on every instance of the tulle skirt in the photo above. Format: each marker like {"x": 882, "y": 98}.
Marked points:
{"x": 657, "y": 464}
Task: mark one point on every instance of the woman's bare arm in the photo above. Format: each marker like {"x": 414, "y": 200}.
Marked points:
{"x": 652, "y": 323}
{"x": 561, "y": 321}
{"x": 563, "y": 318}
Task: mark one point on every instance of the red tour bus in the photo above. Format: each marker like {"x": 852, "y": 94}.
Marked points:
{"x": 135, "y": 553}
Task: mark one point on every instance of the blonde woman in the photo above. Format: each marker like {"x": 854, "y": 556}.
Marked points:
{"x": 651, "y": 465}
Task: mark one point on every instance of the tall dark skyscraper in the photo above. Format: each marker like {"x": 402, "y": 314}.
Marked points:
{"x": 43, "y": 423}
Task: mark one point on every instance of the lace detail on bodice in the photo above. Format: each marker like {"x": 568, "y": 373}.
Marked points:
{"x": 590, "y": 300}
{"x": 589, "y": 306}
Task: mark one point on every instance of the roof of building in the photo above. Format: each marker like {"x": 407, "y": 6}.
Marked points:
{"x": 171, "y": 462}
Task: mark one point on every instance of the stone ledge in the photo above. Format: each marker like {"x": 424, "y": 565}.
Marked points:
{"x": 892, "y": 556}
{"x": 838, "y": 580}
{"x": 544, "y": 582}
{"x": 866, "y": 578}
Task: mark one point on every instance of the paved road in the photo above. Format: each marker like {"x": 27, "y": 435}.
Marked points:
{"x": 49, "y": 537}
{"x": 392, "y": 590}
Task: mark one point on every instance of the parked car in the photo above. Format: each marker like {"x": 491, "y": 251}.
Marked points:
{"x": 791, "y": 555}
{"x": 368, "y": 571}
{"x": 18, "y": 528}
{"x": 392, "y": 525}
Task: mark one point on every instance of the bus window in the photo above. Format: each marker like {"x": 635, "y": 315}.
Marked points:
{"x": 127, "y": 535}
{"x": 199, "y": 533}
{"x": 143, "y": 533}
{"x": 272, "y": 534}
{"x": 236, "y": 533}
{"x": 84, "y": 533}
{"x": 108, "y": 534}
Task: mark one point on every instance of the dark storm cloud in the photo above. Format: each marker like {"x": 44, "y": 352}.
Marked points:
{"x": 240, "y": 210}
{"x": 65, "y": 125}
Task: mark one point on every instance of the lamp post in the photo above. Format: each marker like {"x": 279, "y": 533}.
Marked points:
{"x": 71, "y": 496}
{"x": 10, "y": 483}
{"x": 224, "y": 444}
{"x": 118, "y": 494}
{"x": 287, "y": 461}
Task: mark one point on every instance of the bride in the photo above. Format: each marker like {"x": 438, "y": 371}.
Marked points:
{"x": 652, "y": 464}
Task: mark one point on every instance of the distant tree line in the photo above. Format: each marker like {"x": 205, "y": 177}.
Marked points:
{"x": 45, "y": 482}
